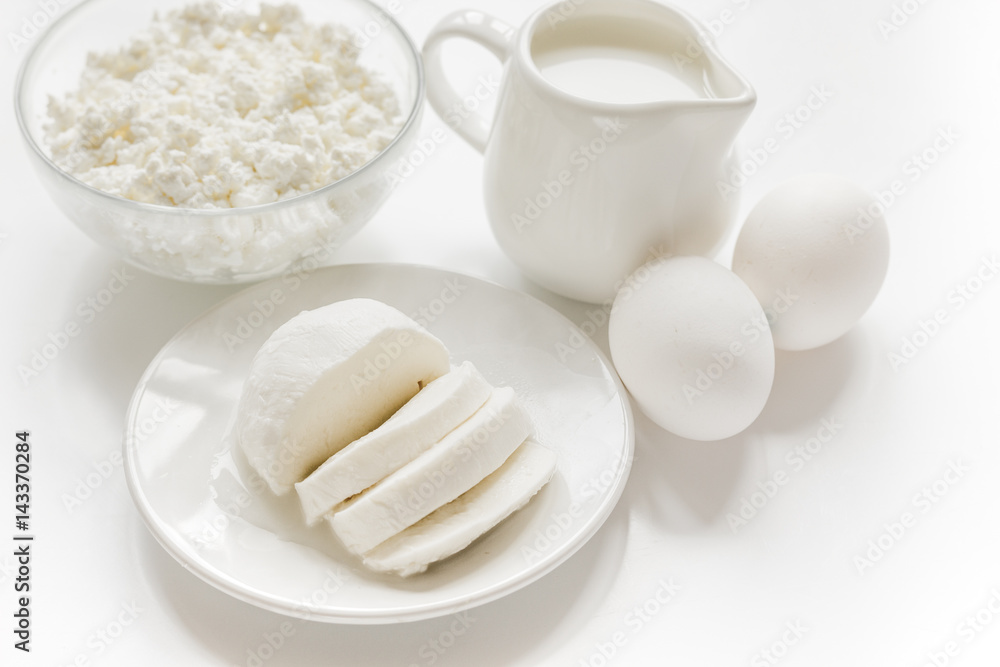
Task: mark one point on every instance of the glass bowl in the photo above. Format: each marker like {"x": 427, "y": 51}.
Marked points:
{"x": 217, "y": 246}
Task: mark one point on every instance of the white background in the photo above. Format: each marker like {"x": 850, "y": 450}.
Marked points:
{"x": 794, "y": 563}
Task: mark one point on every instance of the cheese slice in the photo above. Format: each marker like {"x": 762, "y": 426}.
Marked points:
{"x": 444, "y": 472}
{"x": 426, "y": 418}
{"x": 327, "y": 377}
{"x": 451, "y": 528}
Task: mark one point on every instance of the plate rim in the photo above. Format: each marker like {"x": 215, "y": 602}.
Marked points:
{"x": 228, "y": 584}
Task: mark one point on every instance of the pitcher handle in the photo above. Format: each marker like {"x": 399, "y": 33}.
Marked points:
{"x": 481, "y": 28}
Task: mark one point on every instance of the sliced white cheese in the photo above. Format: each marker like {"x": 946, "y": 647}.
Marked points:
{"x": 426, "y": 418}
{"x": 444, "y": 472}
{"x": 451, "y": 528}
{"x": 325, "y": 378}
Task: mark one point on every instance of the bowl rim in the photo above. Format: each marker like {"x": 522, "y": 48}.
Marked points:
{"x": 181, "y": 211}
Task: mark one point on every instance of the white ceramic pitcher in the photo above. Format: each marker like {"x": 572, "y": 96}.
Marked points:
{"x": 581, "y": 191}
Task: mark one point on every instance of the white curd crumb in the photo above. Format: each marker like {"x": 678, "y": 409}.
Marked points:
{"x": 213, "y": 108}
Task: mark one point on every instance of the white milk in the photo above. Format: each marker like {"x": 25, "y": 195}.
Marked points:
{"x": 613, "y": 62}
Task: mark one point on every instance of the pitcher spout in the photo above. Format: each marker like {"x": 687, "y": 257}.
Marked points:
{"x": 727, "y": 93}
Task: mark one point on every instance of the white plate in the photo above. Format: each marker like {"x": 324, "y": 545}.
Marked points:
{"x": 192, "y": 490}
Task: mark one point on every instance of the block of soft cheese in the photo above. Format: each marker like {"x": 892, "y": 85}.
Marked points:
{"x": 451, "y": 528}
{"x": 451, "y": 467}
{"x": 327, "y": 377}
{"x": 435, "y": 411}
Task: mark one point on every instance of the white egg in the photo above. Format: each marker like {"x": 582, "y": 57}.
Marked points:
{"x": 693, "y": 347}
{"x": 815, "y": 251}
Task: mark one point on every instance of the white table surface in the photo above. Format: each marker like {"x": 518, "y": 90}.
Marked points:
{"x": 97, "y": 572}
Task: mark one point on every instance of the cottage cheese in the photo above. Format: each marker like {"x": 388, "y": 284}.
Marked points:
{"x": 216, "y": 108}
